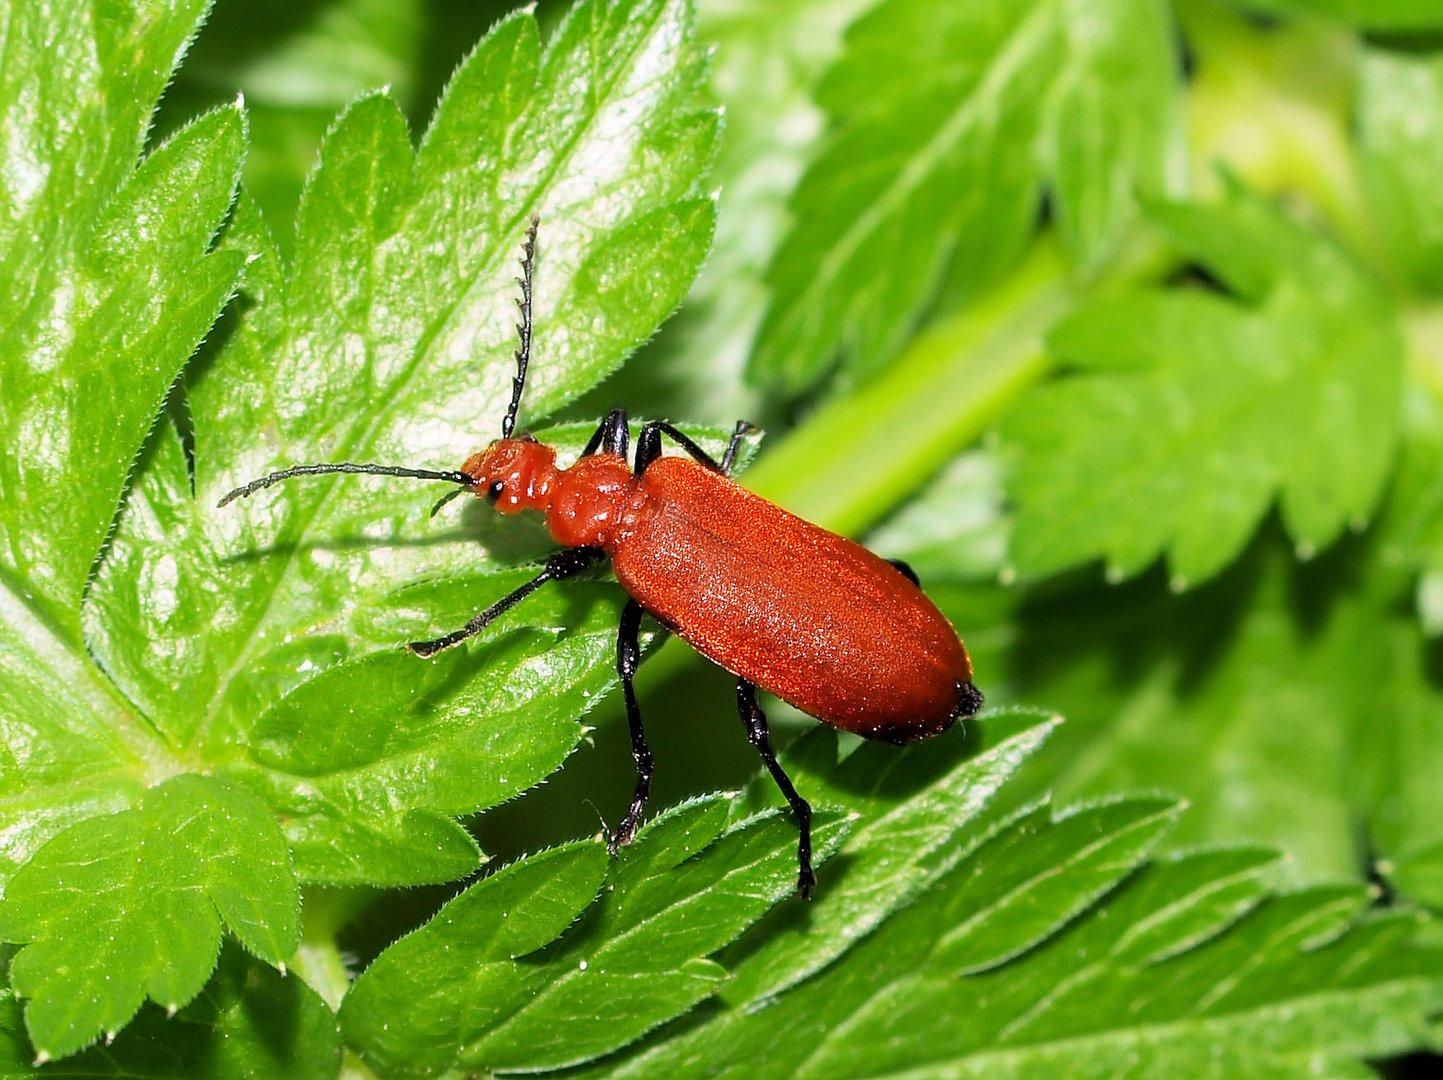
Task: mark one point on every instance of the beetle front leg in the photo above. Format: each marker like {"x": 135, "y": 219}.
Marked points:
{"x": 562, "y": 565}
{"x": 612, "y": 435}
{"x": 756, "y": 722}
{"x": 628, "y": 657}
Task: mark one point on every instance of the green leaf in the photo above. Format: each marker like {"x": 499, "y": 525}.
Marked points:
{"x": 477, "y": 939}
{"x": 1365, "y": 14}
{"x": 767, "y": 60}
{"x": 297, "y": 66}
{"x": 1293, "y": 705}
{"x": 1190, "y": 412}
{"x": 249, "y": 1021}
{"x": 389, "y": 337}
{"x": 106, "y": 269}
{"x": 1400, "y": 116}
{"x": 486, "y": 985}
{"x": 129, "y": 906}
{"x": 66, "y": 752}
{"x": 1186, "y": 967}
{"x": 369, "y": 761}
{"x": 948, "y": 123}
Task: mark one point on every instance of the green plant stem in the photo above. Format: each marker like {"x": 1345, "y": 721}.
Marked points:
{"x": 318, "y": 959}
{"x": 859, "y": 456}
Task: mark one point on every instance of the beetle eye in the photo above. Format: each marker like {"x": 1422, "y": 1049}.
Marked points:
{"x": 494, "y": 491}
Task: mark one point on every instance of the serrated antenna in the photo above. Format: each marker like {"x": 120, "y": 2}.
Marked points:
{"x": 523, "y": 328}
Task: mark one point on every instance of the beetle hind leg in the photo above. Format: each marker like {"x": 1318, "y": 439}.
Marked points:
{"x": 628, "y": 657}
{"x": 756, "y": 722}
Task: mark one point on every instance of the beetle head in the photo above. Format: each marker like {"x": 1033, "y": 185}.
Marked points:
{"x": 513, "y": 474}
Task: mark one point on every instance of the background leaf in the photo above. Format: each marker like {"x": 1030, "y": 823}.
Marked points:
{"x": 1191, "y": 412}
{"x": 947, "y": 125}
{"x": 123, "y": 907}
{"x": 1400, "y": 110}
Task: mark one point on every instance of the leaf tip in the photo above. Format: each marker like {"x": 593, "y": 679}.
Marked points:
{"x": 1179, "y": 584}
{"x": 41, "y": 1057}
{"x": 1305, "y": 550}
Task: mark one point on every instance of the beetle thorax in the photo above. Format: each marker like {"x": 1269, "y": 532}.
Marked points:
{"x": 593, "y": 502}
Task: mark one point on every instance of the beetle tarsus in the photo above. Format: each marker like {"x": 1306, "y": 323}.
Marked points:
{"x": 739, "y": 435}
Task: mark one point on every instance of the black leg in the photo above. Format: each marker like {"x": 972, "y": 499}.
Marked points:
{"x": 563, "y": 564}
{"x": 756, "y": 722}
{"x": 611, "y": 435}
{"x": 648, "y": 446}
{"x": 907, "y": 571}
{"x": 628, "y": 656}
{"x": 729, "y": 459}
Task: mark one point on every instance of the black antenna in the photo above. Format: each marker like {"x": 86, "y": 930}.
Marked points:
{"x": 523, "y": 328}
{"x": 450, "y": 475}
{"x": 508, "y": 425}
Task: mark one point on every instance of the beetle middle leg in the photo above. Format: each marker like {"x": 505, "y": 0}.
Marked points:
{"x": 628, "y": 657}
{"x": 648, "y": 446}
{"x": 756, "y": 722}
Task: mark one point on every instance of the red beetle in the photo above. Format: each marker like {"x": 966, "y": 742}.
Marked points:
{"x": 810, "y": 616}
